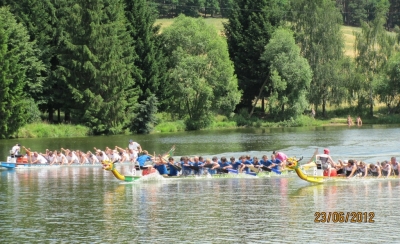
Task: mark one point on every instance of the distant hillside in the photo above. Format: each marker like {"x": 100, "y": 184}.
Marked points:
{"x": 348, "y": 31}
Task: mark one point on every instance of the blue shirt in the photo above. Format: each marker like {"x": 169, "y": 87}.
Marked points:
{"x": 221, "y": 164}
{"x": 277, "y": 162}
{"x": 143, "y": 159}
{"x": 162, "y": 169}
{"x": 172, "y": 170}
{"x": 265, "y": 163}
{"x": 236, "y": 165}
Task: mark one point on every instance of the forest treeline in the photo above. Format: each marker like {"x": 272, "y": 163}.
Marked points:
{"x": 106, "y": 65}
{"x": 353, "y": 12}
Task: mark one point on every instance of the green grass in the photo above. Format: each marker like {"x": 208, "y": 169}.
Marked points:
{"x": 39, "y": 130}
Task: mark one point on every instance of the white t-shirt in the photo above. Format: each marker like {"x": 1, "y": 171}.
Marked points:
{"x": 15, "y": 149}
{"x": 73, "y": 158}
{"x": 60, "y": 158}
{"x": 134, "y": 146}
{"x": 40, "y": 159}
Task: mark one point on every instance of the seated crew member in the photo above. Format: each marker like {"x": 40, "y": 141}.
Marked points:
{"x": 395, "y": 166}
{"x": 143, "y": 159}
{"x": 265, "y": 163}
{"x": 276, "y": 163}
{"x": 385, "y": 168}
{"x": 123, "y": 154}
{"x": 224, "y": 165}
{"x": 362, "y": 169}
{"x": 235, "y": 164}
{"x": 173, "y": 167}
{"x": 375, "y": 170}
{"x": 211, "y": 165}
{"x": 197, "y": 166}
{"x": 38, "y": 159}
{"x": 72, "y": 158}
{"x": 82, "y": 157}
{"x": 92, "y": 158}
{"x": 186, "y": 166}
{"x": 61, "y": 159}
{"x": 245, "y": 160}
{"x": 350, "y": 168}
{"x": 160, "y": 166}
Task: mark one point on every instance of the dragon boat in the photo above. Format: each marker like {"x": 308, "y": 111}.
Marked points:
{"x": 314, "y": 172}
{"x": 151, "y": 173}
{"x": 22, "y": 163}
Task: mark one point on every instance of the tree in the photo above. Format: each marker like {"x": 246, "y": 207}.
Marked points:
{"x": 290, "y": 75}
{"x": 373, "y": 48}
{"x": 96, "y": 62}
{"x": 202, "y": 80}
{"x": 17, "y": 61}
{"x": 317, "y": 25}
{"x": 250, "y": 26}
{"x": 145, "y": 118}
{"x": 40, "y": 17}
{"x": 150, "y": 61}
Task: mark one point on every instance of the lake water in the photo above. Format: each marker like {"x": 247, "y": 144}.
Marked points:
{"x": 88, "y": 205}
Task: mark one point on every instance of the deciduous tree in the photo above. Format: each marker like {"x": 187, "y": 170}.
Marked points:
{"x": 202, "y": 78}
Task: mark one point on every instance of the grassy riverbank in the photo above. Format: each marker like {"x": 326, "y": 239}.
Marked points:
{"x": 39, "y": 130}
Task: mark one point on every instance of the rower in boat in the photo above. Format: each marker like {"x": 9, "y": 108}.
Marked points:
{"x": 362, "y": 169}
{"x": 246, "y": 161}
{"x": 72, "y": 158}
{"x": 142, "y": 159}
{"x": 235, "y": 165}
{"x": 38, "y": 159}
{"x": 197, "y": 166}
{"x": 350, "y": 168}
{"x": 186, "y": 166}
{"x": 60, "y": 158}
{"x": 92, "y": 158}
{"x": 174, "y": 168}
{"x": 395, "y": 166}
{"x": 385, "y": 168}
{"x": 374, "y": 170}
{"x": 123, "y": 154}
{"x": 160, "y": 166}
{"x": 224, "y": 166}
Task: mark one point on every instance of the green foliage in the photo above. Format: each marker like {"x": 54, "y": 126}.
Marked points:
{"x": 150, "y": 62}
{"x": 317, "y": 25}
{"x": 145, "y": 116}
{"x": 202, "y": 81}
{"x": 247, "y": 33}
{"x": 17, "y": 60}
{"x": 290, "y": 75}
{"x": 32, "y": 111}
{"x": 40, "y": 130}
{"x": 374, "y": 48}
{"x": 178, "y": 125}
{"x": 96, "y": 62}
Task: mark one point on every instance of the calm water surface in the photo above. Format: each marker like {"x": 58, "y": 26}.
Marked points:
{"x": 88, "y": 205}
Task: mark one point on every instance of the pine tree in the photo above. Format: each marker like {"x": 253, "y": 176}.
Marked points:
{"x": 17, "y": 55}
{"x": 97, "y": 64}
{"x": 40, "y": 19}
{"x": 251, "y": 24}
{"x": 150, "y": 60}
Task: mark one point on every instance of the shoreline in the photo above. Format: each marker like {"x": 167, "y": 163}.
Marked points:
{"x": 46, "y": 130}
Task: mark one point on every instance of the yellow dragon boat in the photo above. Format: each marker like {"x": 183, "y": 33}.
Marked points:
{"x": 320, "y": 176}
